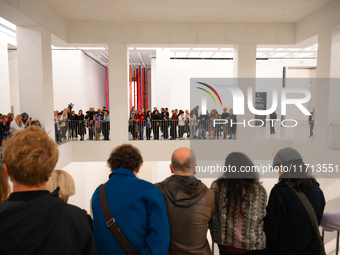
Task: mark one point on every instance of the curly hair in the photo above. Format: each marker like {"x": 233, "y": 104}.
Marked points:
{"x": 125, "y": 156}
{"x": 30, "y": 156}
{"x": 238, "y": 183}
{"x": 4, "y": 185}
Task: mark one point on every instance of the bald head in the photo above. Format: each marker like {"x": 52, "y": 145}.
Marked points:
{"x": 183, "y": 161}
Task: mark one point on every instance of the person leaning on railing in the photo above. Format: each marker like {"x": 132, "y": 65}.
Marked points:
{"x": 106, "y": 125}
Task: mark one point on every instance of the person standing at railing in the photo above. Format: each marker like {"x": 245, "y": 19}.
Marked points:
{"x": 213, "y": 115}
{"x": 155, "y": 124}
{"x": 165, "y": 125}
{"x": 97, "y": 120}
{"x": 140, "y": 117}
{"x": 174, "y": 122}
{"x": 4, "y": 129}
{"x": 231, "y": 123}
{"x": 148, "y": 125}
{"x": 80, "y": 124}
{"x": 72, "y": 125}
{"x": 17, "y": 124}
{"x": 186, "y": 127}
{"x": 311, "y": 122}
{"x": 133, "y": 126}
{"x": 272, "y": 117}
{"x": 225, "y": 116}
{"x": 181, "y": 124}
{"x": 10, "y": 117}
{"x": 192, "y": 124}
{"x": 106, "y": 125}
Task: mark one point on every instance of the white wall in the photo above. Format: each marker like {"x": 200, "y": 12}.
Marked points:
{"x": 14, "y": 80}
{"x": 5, "y": 105}
{"x": 334, "y": 90}
{"x": 77, "y": 79}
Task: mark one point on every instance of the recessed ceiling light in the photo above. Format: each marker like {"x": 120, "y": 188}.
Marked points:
{"x": 181, "y": 54}
{"x": 265, "y": 49}
{"x": 91, "y": 48}
{"x": 218, "y": 55}
{"x": 8, "y": 24}
{"x": 147, "y": 48}
{"x": 278, "y": 55}
{"x": 228, "y": 55}
{"x": 287, "y": 49}
{"x": 303, "y": 55}
{"x": 205, "y": 48}
{"x": 227, "y": 49}
{"x": 178, "y": 48}
{"x": 194, "y": 54}
{"x": 206, "y": 54}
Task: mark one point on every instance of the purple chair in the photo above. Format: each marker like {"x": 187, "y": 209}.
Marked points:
{"x": 331, "y": 222}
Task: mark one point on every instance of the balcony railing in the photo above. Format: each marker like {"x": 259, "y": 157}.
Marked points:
{"x": 277, "y": 132}
{"x": 82, "y": 130}
{"x": 335, "y": 137}
{"x": 302, "y": 132}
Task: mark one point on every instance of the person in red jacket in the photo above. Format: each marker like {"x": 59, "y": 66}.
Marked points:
{"x": 140, "y": 117}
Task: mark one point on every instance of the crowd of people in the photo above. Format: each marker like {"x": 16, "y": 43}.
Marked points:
{"x": 181, "y": 124}
{"x": 70, "y": 126}
{"x": 10, "y": 124}
{"x": 133, "y": 216}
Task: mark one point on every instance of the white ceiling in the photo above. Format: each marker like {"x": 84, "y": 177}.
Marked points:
{"x": 273, "y": 11}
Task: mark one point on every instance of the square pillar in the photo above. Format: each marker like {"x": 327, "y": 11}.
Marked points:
{"x": 119, "y": 92}
{"x": 5, "y": 95}
{"x": 35, "y": 75}
{"x": 244, "y": 76}
{"x": 323, "y": 72}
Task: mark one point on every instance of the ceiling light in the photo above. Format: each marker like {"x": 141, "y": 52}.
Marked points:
{"x": 228, "y": 55}
{"x": 227, "y": 49}
{"x": 147, "y": 48}
{"x": 259, "y": 54}
{"x": 131, "y": 48}
{"x": 218, "y": 55}
{"x": 194, "y": 54}
{"x": 205, "y": 48}
{"x": 181, "y": 54}
{"x": 8, "y": 31}
{"x": 303, "y": 55}
{"x": 265, "y": 49}
{"x": 8, "y": 24}
{"x": 278, "y": 55}
{"x": 104, "y": 55}
{"x": 287, "y": 49}
{"x": 63, "y": 48}
{"x": 178, "y": 48}
{"x": 206, "y": 54}
{"x": 91, "y": 48}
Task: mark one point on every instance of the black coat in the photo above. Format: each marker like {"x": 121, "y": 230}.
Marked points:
{"x": 40, "y": 223}
{"x": 287, "y": 224}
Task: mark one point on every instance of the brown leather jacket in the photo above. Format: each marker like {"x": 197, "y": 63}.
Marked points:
{"x": 190, "y": 205}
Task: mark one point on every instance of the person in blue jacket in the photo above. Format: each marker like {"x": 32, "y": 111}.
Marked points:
{"x": 137, "y": 206}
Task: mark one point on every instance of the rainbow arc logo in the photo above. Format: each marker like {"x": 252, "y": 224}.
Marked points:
{"x": 209, "y": 93}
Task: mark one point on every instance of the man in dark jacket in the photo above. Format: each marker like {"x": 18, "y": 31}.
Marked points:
{"x": 189, "y": 204}
{"x": 33, "y": 220}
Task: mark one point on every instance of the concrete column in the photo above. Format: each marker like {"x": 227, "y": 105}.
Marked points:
{"x": 35, "y": 74}
{"x": 5, "y": 95}
{"x": 161, "y": 82}
{"x": 119, "y": 87}
{"x": 244, "y": 76}
{"x": 323, "y": 72}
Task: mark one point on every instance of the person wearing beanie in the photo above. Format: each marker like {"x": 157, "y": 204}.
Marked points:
{"x": 287, "y": 224}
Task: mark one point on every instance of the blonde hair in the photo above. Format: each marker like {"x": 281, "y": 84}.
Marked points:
{"x": 231, "y": 111}
{"x": 17, "y": 119}
{"x": 30, "y": 156}
{"x": 4, "y": 185}
{"x": 99, "y": 110}
{"x": 64, "y": 180}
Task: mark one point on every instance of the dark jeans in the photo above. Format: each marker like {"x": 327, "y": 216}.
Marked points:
{"x": 148, "y": 133}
